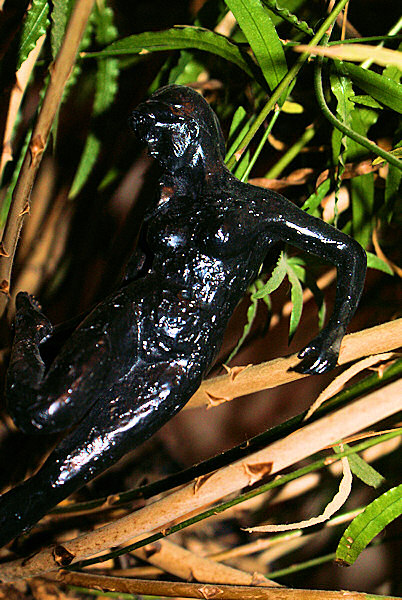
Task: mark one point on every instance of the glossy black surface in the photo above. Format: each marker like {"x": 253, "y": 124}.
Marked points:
{"x": 137, "y": 358}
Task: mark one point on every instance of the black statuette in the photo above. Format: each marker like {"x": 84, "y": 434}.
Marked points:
{"x": 138, "y": 357}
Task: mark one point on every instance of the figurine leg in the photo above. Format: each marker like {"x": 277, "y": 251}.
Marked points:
{"x": 122, "y": 419}
{"x": 26, "y": 369}
{"x": 49, "y": 401}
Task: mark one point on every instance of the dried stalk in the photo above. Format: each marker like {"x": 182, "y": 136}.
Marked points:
{"x": 382, "y": 338}
{"x": 182, "y": 563}
{"x": 59, "y": 74}
{"x": 22, "y": 78}
{"x": 203, "y": 591}
{"x": 206, "y": 490}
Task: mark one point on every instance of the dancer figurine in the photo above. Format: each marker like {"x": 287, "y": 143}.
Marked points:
{"x": 141, "y": 353}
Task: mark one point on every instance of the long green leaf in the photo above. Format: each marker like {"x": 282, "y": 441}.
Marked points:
{"x": 362, "y": 187}
{"x": 36, "y": 24}
{"x": 296, "y": 295}
{"x": 60, "y": 14}
{"x": 361, "y": 469}
{"x": 368, "y": 524}
{"x": 392, "y": 191}
{"x": 286, "y": 15}
{"x": 177, "y": 38}
{"x": 380, "y": 87}
{"x": 375, "y": 262}
{"x": 342, "y": 89}
{"x": 299, "y": 267}
{"x": 87, "y": 161}
{"x": 277, "y": 276}
{"x": 313, "y": 202}
{"x": 106, "y": 86}
{"x": 260, "y": 32}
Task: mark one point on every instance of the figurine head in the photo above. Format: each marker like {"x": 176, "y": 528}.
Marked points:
{"x": 179, "y": 127}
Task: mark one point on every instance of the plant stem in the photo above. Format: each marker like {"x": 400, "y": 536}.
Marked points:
{"x": 291, "y": 153}
{"x": 202, "y": 590}
{"x": 261, "y": 144}
{"x": 319, "y": 464}
{"x": 59, "y": 74}
{"x": 284, "y": 85}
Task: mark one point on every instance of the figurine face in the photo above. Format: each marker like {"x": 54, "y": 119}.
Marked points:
{"x": 171, "y": 136}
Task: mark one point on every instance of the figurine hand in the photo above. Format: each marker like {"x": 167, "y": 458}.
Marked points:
{"x": 320, "y": 355}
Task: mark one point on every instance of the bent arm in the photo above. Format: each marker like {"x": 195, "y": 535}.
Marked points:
{"x": 286, "y": 222}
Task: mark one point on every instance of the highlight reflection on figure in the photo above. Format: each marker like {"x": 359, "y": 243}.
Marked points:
{"x": 138, "y": 357}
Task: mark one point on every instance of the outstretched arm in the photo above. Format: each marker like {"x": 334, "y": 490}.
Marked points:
{"x": 286, "y": 222}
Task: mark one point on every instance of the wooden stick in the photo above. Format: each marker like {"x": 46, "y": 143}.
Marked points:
{"x": 382, "y": 338}
{"x": 182, "y": 563}
{"x": 197, "y": 590}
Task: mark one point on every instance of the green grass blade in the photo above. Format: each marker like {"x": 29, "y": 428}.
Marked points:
{"x": 177, "y": 38}
{"x": 87, "y": 161}
{"x": 296, "y": 295}
{"x": 368, "y": 524}
{"x": 308, "y": 280}
{"x": 238, "y": 128}
{"x": 361, "y": 187}
{"x": 260, "y": 32}
{"x": 342, "y": 89}
{"x": 277, "y": 276}
{"x": 106, "y": 87}
{"x": 380, "y": 87}
{"x": 60, "y": 15}
{"x": 362, "y": 470}
{"x": 286, "y": 15}
{"x": 313, "y": 202}
{"x": 392, "y": 192}
{"x": 375, "y": 262}
{"x": 36, "y": 24}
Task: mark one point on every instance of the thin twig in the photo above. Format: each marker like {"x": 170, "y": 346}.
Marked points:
{"x": 203, "y": 591}
{"x": 187, "y": 565}
{"x": 375, "y": 340}
{"x": 22, "y": 78}
{"x": 59, "y": 74}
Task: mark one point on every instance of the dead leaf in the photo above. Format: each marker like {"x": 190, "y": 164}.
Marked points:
{"x": 351, "y": 170}
{"x": 356, "y": 52}
{"x": 275, "y": 143}
{"x": 328, "y": 204}
{"x": 152, "y": 549}
{"x": 297, "y": 177}
{"x": 336, "y": 503}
